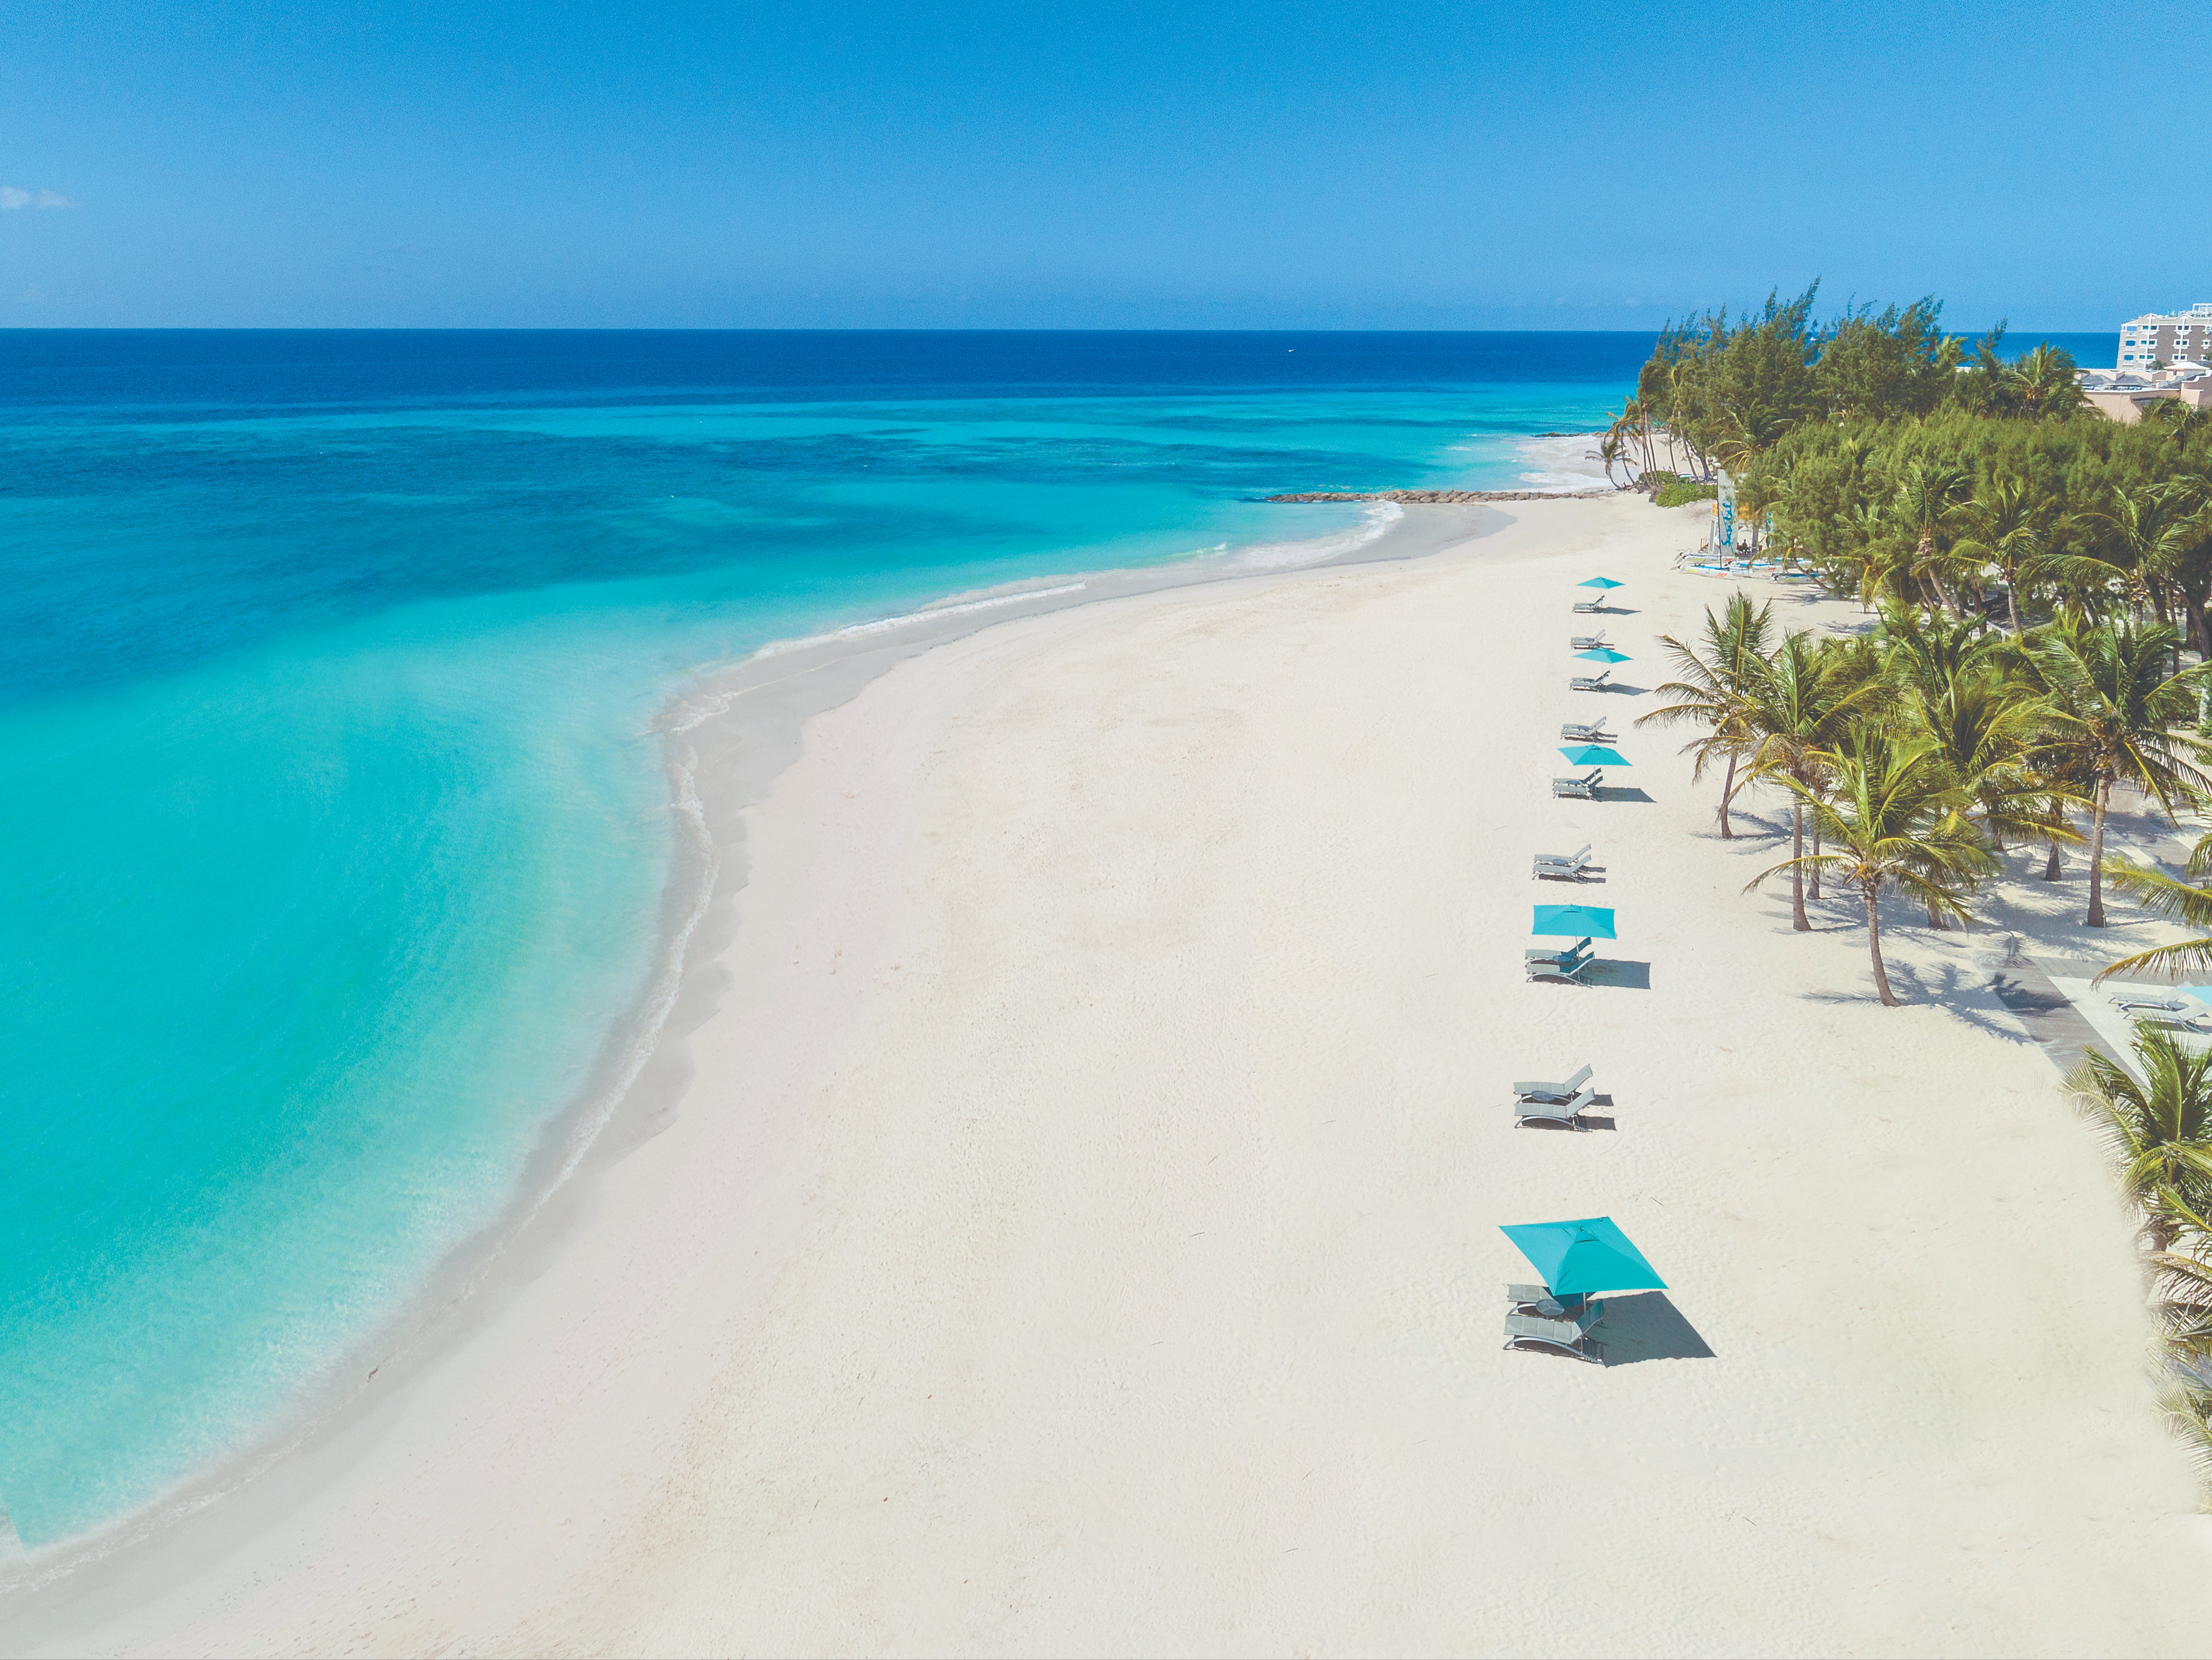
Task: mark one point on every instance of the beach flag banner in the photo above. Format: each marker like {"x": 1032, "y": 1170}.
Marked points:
{"x": 1579, "y": 1258}
{"x": 1603, "y": 654}
{"x": 1579, "y": 921}
{"x": 1724, "y": 511}
{"x": 1598, "y": 582}
{"x": 1593, "y": 755}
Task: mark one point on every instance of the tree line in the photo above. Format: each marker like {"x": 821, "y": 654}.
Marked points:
{"x": 2037, "y": 578}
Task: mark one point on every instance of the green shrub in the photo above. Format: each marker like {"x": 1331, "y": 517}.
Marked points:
{"x": 1674, "y": 489}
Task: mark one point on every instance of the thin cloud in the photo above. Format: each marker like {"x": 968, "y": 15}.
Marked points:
{"x": 11, "y": 196}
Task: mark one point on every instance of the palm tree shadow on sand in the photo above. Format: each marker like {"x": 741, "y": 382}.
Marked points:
{"x": 1964, "y": 993}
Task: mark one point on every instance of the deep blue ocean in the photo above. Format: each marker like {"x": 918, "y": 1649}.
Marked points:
{"x": 332, "y": 831}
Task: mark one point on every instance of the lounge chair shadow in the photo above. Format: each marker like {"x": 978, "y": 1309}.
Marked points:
{"x": 1610, "y": 972}
{"x": 1590, "y": 1121}
{"x": 1622, "y": 686}
{"x": 1647, "y": 1326}
{"x": 1621, "y": 793}
{"x": 1595, "y": 873}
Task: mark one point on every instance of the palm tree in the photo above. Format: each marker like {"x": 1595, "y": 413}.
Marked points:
{"x": 1610, "y": 445}
{"x": 1797, "y": 712}
{"x": 2187, "y": 1410}
{"x": 2116, "y": 713}
{"x": 1752, "y": 429}
{"x": 1713, "y": 686}
{"x": 2181, "y": 1272}
{"x": 1893, "y": 816}
{"x": 2159, "y": 530}
{"x": 2187, "y": 902}
{"x": 1884, "y": 557}
{"x": 2160, "y": 1127}
{"x": 2011, "y": 532}
{"x": 1981, "y": 729}
{"x": 2043, "y": 383}
{"x": 1934, "y": 655}
{"x": 1928, "y": 510}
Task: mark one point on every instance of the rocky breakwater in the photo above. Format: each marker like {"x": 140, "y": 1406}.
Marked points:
{"x": 1437, "y": 498}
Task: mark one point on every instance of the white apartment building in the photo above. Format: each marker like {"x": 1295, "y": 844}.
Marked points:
{"x": 2167, "y": 338}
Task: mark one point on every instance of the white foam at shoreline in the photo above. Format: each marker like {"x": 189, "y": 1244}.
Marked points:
{"x": 1313, "y": 549}
{"x": 1562, "y": 463}
{"x": 883, "y": 624}
{"x": 1260, "y": 556}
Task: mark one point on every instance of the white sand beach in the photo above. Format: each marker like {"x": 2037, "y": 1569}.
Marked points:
{"x": 1077, "y": 1228}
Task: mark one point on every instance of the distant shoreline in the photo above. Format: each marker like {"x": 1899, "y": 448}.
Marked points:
{"x": 1441, "y": 498}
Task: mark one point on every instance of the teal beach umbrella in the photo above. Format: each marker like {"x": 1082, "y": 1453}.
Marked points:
{"x": 1593, "y": 921}
{"x": 1585, "y": 1257}
{"x": 1599, "y": 582}
{"x": 1593, "y": 755}
{"x": 1603, "y": 654}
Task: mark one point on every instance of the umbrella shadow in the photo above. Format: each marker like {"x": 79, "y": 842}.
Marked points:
{"x": 1647, "y": 1326}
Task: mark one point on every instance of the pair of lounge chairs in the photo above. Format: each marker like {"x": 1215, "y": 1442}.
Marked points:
{"x": 1586, "y": 641}
{"x": 1590, "y": 682}
{"x": 1536, "y": 1319}
{"x": 1584, "y": 607}
{"x": 1587, "y": 731}
{"x": 1541, "y": 964}
{"x": 1563, "y": 867}
{"x": 1584, "y": 789}
{"x": 1554, "y": 1104}
{"x": 2133, "y": 1002}
{"x": 2173, "y": 1011}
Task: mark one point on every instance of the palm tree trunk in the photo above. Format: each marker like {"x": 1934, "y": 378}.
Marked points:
{"x": 1944, "y": 594}
{"x": 1812, "y": 874}
{"x": 2012, "y": 600}
{"x": 2199, "y": 635}
{"x": 1797, "y": 868}
{"x": 1874, "y": 947}
{"x": 1727, "y": 789}
{"x": 2096, "y": 917}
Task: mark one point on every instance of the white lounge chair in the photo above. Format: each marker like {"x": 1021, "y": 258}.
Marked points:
{"x": 1584, "y": 789}
{"x": 1539, "y": 1091}
{"x": 1591, "y": 682}
{"x": 1562, "y": 868}
{"x": 1587, "y": 731}
{"x": 1568, "y": 1333}
{"x": 1562, "y": 967}
{"x": 1585, "y": 606}
{"x": 2139, "y": 1002}
{"x": 1542, "y": 1299}
{"x": 1586, "y": 641}
{"x": 1554, "y": 953}
{"x": 1568, "y": 1112}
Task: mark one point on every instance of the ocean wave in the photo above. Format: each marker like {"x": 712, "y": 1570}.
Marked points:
{"x": 1565, "y": 464}
{"x": 907, "y": 619}
{"x": 1317, "y": 550}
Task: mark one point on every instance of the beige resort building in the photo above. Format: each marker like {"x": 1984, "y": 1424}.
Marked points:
{"x": 2162, "y": 359}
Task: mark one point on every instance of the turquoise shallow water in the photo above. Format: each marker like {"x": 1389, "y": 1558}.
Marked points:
{"x": 332, "y": 835}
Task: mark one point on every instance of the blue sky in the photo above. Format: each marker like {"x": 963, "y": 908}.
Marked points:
{"x": 1117, "y": 163}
